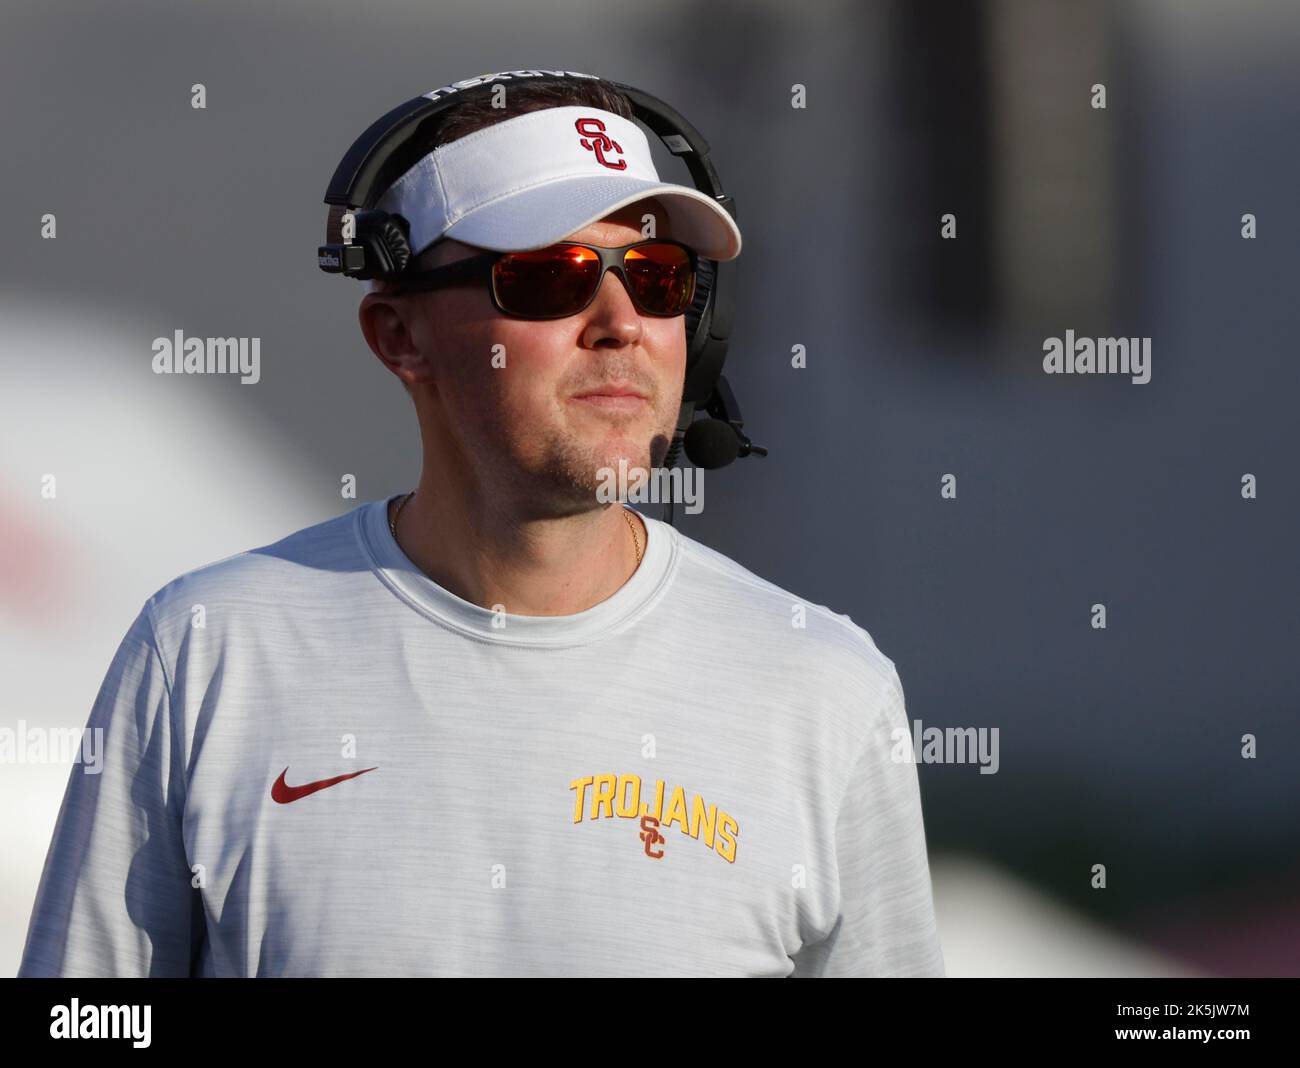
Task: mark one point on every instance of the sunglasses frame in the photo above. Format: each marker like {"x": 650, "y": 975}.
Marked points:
{"x": 471, "y": 271}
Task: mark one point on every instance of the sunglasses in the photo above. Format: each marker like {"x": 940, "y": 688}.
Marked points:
{"x": 561, "y": 280}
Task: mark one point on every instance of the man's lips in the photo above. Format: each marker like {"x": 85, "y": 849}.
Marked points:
{"x": 613, "y": 389}
{"x": 613, "y": 397}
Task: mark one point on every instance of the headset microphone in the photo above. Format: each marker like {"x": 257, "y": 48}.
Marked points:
{"x": 720, "y": 440}
{"x": 711, "y": 444}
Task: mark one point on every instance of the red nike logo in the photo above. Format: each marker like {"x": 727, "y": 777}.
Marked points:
{"x": 284, "y": 793}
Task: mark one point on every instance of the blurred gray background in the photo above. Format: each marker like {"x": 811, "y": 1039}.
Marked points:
{"x": 1118, "y": 747}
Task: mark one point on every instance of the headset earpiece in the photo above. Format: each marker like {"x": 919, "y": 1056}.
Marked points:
{"x": 695, "y": 313}
{"x": 386, "y": 240}
{"x": 380, "y": 245}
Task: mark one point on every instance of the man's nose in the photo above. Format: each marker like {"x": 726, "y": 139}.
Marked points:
{"x": 612, "y": 318}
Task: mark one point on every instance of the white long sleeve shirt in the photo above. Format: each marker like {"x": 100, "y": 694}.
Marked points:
{"x": 319, "y": 762}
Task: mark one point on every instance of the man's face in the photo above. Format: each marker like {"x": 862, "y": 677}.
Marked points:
{"x": 523, "y": 428}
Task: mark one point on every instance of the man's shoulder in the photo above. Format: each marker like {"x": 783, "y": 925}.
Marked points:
{"x": 757, "y": 606}
{"x": 276, "y": 573}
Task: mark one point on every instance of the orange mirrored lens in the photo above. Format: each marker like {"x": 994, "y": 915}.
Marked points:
{"x": 661, "y": 277}
{"x": 546, "y": 282}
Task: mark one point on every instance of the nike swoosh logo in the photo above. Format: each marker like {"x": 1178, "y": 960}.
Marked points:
{"x": 284, "y": 793}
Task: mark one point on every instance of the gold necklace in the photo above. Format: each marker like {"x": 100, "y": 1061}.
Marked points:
{"x": 392, "y": 523}
{"x": 636, "y": 541}
{"x": 627, "y": 514}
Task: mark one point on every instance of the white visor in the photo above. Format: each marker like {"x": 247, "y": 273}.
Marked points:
{"x": 535, "y": 179}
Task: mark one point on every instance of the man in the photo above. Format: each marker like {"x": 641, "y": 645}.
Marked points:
{"x": 496, "y": 725}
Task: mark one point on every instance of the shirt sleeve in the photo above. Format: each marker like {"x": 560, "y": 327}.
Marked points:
{"x": 886, "y": 923}
{"x": 115, "y": 897}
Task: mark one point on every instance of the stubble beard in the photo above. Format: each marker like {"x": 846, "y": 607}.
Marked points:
{"x": 573, "y": 470}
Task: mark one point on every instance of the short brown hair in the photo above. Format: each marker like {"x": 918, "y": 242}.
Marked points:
{"x": 475, "y": 111}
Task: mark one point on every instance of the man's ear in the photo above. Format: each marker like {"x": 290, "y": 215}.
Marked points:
{"x": 384, "y": 322}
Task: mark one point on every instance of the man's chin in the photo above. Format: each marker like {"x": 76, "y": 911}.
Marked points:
{"x": 615, "y": 461}
{"x": 598, "y": 476}
{"x": 585, "y": 465}
{"x": 631, "y": 445}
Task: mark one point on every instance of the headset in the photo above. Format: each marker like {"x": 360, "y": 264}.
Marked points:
{"x": 380, "y": 246}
